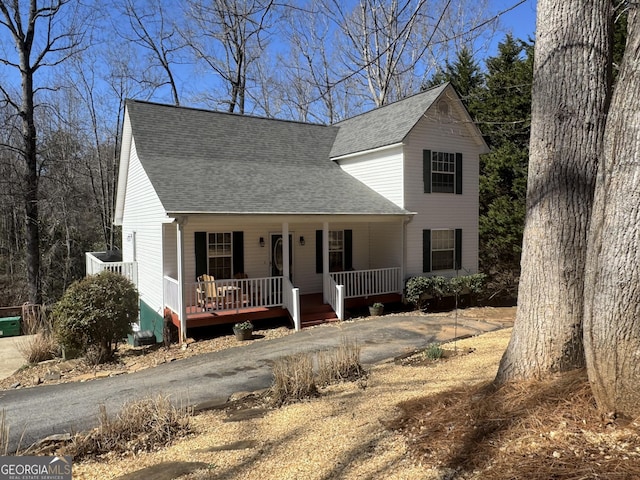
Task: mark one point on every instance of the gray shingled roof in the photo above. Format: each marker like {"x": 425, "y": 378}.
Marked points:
{"x": 383, "y": 126}
{"x": 203, "y": 161}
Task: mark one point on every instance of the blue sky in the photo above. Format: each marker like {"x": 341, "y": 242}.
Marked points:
{"x": 521, "y": 21}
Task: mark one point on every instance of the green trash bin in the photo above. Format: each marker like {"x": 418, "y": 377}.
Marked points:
{"x": 9, "y": 326}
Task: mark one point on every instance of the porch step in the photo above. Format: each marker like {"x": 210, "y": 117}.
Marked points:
{"x": 315, "y": 313}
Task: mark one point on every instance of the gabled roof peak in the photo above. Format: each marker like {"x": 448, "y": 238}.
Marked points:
{"x": 386, "y": 125}
{"x": 408, "y": 98}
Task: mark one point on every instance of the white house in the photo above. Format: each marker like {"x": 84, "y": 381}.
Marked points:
{"x": 365, "y": 203}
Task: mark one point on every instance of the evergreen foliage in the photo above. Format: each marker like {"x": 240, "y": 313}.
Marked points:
{"x": 505, "y": 120}
{"x": 499, "y": 101}
{"x": 94, "y": 314}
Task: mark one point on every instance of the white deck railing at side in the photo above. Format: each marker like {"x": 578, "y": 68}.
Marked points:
{"x": 171, "y": 291}
{"x": 127, "y": 269}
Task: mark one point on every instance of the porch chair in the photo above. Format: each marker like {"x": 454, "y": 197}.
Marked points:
{"x": 207, "y": 292}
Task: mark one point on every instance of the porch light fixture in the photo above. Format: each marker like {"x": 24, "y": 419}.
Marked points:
{"x": 262, "y": 241}
{"x": 301, "y": 240}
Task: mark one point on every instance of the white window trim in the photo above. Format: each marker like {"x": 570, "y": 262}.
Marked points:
{"x": 341, "y": 245}
{"x": 210, "y": 256}
{"x": 452, "y": 161}
{"x": 452, "y": 249}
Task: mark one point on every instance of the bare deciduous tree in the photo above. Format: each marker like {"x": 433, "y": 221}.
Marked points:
{"x": 229, "y": 36}
{"x": 150, "y": 29}
{"x": 44, "y": 33}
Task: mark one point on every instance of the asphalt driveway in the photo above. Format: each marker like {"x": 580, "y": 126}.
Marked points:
{"x": 35, "y": 413}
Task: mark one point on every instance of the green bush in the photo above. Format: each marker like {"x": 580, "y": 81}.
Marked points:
{"x": 433, "y": 352}
{"x": 437, "y": 287}
{"x": 94, "y": 314}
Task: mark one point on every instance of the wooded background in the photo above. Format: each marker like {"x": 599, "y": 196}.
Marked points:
{"x": 66, "y": 68}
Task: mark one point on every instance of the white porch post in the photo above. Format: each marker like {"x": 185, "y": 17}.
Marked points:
{"x": 181, "y": 303}
{"x": 325, "y": 260}
{"x": 296, "y": 309}
{"x": 403, "y": 250}
{"x": 285, "y": 251}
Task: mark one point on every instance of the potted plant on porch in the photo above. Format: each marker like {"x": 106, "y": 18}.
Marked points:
{"x": 376, "y": 309}
{"x": 243, "y": 331}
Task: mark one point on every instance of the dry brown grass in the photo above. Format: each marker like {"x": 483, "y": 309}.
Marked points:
{"x": 341, "y": 364}
{"x": 37, "y": 348}
{"x": 141, "y": 426}
{"x": 539, "y": 430}
{"x": 35, "y": 318}
{"x": 293, "y": 380}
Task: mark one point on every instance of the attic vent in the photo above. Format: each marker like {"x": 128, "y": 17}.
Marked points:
{"x": 443, "y": 107}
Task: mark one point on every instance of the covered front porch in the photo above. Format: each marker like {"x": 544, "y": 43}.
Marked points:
{"x": 225, "y": 269}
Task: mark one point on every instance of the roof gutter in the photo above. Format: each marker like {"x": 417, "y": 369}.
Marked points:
{"x": 374, "y": 150}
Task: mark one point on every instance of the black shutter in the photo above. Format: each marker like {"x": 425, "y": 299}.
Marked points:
{"x": 459, "y": 173}
{"x": 200, "y": 241}
{"x": 426, "y": 170}
{"x": 238, "y": 252}
{"x": 426, "y": 250}
{"x": 318, "y": 251}
{"x": 458, "y": 249}
{"x": 348, "y": 250}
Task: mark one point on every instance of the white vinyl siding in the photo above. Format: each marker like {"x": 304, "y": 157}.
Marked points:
{"x": 382, "y": 171}
{"x": 440, "y": 133}
{"x": 144, "y": 214}
{"x": 386, "y": 244}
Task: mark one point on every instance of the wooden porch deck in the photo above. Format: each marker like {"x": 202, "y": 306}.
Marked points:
{"x": 312, "y": 311}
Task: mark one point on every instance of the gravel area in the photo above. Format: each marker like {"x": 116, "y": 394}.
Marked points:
{"x": 340, "y": 435}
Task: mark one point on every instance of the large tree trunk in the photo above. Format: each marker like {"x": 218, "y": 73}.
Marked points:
{"x": 569, "y": 102}
{"x": 612, "y": 288}
{"x": 30, "y": 186}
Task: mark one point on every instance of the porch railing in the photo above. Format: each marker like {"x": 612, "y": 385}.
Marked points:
{"x": 233, "y": 294}
{"x": 335, "y": 296}
{"x": 127, "y": 269}
{"x": 364, "y": 283}
{"x": 171, "y": 294}
{"x": 291, "y": 301}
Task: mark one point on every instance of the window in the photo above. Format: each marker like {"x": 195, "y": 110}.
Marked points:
{"x": 220, "y": 255}
{"x": 443, "y": 172}
{"x": 336, "y": 251}
{"x": 442, "y": 249}
{"x": 340, "y": 251}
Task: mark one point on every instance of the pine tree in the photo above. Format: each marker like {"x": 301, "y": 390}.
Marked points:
{"x": 503, "y": 114}
{"x": 466, "y": 78}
